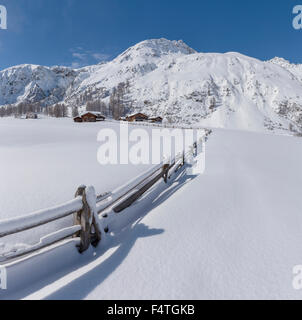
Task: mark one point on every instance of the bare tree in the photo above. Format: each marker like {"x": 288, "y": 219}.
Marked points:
{"x": 117, "y": 103}
{"x": 75, "y": 112}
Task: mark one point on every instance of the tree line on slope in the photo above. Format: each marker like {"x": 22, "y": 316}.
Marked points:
{"x": 23, "y": 108}
{"x": 118, "y": 104}
{"x": 117, "y": 107}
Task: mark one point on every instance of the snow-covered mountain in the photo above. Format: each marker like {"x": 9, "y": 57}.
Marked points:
{"x": 170, "y": 79}
{"x": 32, "y": 83}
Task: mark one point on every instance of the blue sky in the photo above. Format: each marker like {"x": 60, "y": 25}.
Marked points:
{"x": 77, "y": 32}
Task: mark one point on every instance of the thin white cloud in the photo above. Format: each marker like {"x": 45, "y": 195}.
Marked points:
{"x": 84, "y": 57}
{"x": 100, "y": 56}
{"x": 81, "y": 56}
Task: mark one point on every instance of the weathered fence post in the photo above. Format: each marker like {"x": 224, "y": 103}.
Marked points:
{"x": 83, "y": 218}
{"x": 96, "y": 236}
{"x": 166, "y": 168}
{"x": 195, "y": 149}
{"x": 95, "y": 232}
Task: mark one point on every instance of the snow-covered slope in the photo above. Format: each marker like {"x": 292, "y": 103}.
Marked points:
{"x": 170, "y": 79}
{"x": 47, "y": 171}
{"x": 295, "y": 69}
{"x": 131, "y": 66}
{"x": 232, "y": 233}
{"x": 32, "y": 83}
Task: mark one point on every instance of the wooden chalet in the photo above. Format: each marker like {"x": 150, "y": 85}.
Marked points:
{"x": 78, "y": 119}
{"x": 156, "y": 120}
{"x": 137, "y": 117}
{"x": 90, "y": 116}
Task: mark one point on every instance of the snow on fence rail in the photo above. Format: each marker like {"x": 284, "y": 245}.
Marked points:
{"x": 91, "y": 213}
{"x": 160, "y": 125}
{"x": 15, "y": 225}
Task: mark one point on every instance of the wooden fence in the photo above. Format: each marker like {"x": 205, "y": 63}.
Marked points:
{"x": 91, "y": 213}
{"x": 160, "y": 125}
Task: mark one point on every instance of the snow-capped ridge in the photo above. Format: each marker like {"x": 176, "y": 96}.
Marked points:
{"x": 155, "y": 48}
{"x": 282, "y": 62}
{"x": 34, "y": 83}
{"x": 167, "y": 78}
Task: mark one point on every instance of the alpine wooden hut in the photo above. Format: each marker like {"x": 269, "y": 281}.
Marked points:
{"x": 137, "y": 117}
{"x": 156, "y": 120}
{"x": 90, "y": 116}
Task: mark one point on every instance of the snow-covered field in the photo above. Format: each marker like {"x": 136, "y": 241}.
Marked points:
{"x": 233, "y": 232}
{"x": 44, "y": 161}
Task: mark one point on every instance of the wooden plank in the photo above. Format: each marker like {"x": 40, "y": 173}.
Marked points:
{"x": 39, "y": 218}
{"x": 164, "y": 174}
{"x": 44, "y": 242}
{"x": 112, "y": 202}
{"x": 129, "y": 201}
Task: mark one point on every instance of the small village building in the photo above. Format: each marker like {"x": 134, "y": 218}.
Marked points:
{"x": 137, "y": 117}
{"x": 156, "y": 120}
{"x": 92, "y": 116}
{"x": 31, "y": 115}
{"x": 78, "y": 119}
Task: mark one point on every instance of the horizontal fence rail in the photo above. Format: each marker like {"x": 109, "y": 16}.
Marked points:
{"x": 130, "y": 200}
{"x": 159, "y": 125}
{"x": 128, "y": 188}
{"x": 36, "y": 219}
{"x": 90, "y": 211}
{"x": 43, "y": 243}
